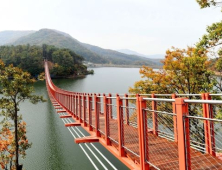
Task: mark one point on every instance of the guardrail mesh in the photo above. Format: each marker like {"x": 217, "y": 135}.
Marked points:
{"x": 130, "y": 133}
{"x": 113, "y": 126}
{"x": 161, "y": 152}
{"x": 204, "y": 148}
{"x": 101, "y": 118}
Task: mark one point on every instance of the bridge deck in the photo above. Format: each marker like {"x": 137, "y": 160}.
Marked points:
{"x": 163, "y": 152}
{"x": 157, "y": 152}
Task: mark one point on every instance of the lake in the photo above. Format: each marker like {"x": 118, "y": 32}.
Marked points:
{"x": 53, "y": 146}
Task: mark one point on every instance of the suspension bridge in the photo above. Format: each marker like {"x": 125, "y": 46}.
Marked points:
{"x": 146, "y": 132}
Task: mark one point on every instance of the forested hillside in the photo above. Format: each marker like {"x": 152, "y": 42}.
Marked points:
{"x": 58, "y": 39}
{"x": 119, "y": 58}
{"x": 89, "y": 52}
{"x": 63, "y": 62}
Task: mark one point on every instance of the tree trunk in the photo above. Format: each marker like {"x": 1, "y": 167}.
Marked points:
{"x": 16, "y": 138}
{"x": 20, "y": 167}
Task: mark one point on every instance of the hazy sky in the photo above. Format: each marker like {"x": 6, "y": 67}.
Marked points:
{"x": 145, "y": 26}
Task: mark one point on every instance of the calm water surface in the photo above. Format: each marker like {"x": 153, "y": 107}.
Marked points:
{"x": 53, "y": 146}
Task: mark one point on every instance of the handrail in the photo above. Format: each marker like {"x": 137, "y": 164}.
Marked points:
{"x": 97, "y": 112}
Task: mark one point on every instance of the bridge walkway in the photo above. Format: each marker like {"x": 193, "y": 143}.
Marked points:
{"x": 178, "y": 137}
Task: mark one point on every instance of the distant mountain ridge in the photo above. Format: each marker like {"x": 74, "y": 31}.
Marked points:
{"x": 120, "y": 58}
{"x": 7, "y": 37}
{"x": 60, "y": 39}
{"x": 130, "y": 52}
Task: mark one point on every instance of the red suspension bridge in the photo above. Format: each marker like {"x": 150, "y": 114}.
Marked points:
{"x": 156, "y": 131}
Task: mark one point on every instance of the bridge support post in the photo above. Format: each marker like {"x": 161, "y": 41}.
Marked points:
{"x": 119, "y": 104}
{"x": 111, "y": 108}
{"x": 96, "y": 110}
{"x": 155, "y": 119}
{"x": 90, "y": 112}
{"x": 208, "y": 126}
{"x": 106, "y": 113}
{"x": 80, "y": 108}
{"x": 76, "y": 106}
{"x": 206, "y": 134}
{"x": 183, "y": 134}
{"x": 143, "y": 133}
{"x": 68, "y": 100}
{"x": 174, "y": 119}
{"x": 73, "y": 105}
{"x": 127, "y": 109}
{"x": 62, "y": 98}
{"x": 84, "y": 109}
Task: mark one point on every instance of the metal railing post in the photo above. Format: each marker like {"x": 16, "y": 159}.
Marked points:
{"x": 90, "y": 111}
{"x": 68, "y": 100}
{"x": 154, "y": 115}
{"x": 206, "y": 134}
{"x": 111, "y": 108}
{"x": 80, "y": 108}
{"x": 119, "y": 104}
{"x": 77, "y": 107}
{"x": 210, "y": 126}
{"x": 183, "y": 134}
{"x": 143, "y": 132}
{"x": 106, "y": 114}
{"x": 96, "y": 110}
{"x": 84, "y": 109}
{"x": 174, "y": 119}
{"x": 73, "y": 104}
{"x": 127, "y": 108}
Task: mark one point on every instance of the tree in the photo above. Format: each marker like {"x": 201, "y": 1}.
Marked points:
{"x": 208, "y": 3}
{"x": 183, "y": 72}
{"x": 30, "y": 59}
{"x": 7, "y": 146}
{"x": 212, "y": 39}
{"x": 211, "y": 43}
{"x": 16, "y": 87}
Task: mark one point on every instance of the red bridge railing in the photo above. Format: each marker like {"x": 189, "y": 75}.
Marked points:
{"x": 156, "y": 131}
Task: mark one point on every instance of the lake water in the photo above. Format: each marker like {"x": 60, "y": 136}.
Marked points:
{"x": 53, "y": 146}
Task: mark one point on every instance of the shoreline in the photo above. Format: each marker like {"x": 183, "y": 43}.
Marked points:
{"x": 119, "y": 66}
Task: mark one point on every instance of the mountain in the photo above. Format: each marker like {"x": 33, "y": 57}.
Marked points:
{"x": 61, "y": 40}
{"x": 120, "y": 58}
{"x": 10, "y": 36}
{"x": 91, "y": 53}
{"x": 130, "y": 52}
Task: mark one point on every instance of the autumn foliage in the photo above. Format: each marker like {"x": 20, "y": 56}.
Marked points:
{"x": 183, "y": 72}
{"x": 7, "y": 145}
{"x": 16, "y": 87}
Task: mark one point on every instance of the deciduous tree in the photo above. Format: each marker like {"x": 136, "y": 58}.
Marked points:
{"x": 208, "y": 3}
{"x": 16, "y": 87}
{"x": 183, "y": 72}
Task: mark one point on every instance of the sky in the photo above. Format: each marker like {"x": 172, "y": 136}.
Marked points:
{"x": 148, "y": 27}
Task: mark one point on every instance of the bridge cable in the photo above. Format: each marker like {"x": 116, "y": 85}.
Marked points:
{"x": 100, "y": 153}
{"x": 96, "y": 149}
{"x": 83, "y": 149}
{"x": 86, "y": 145}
